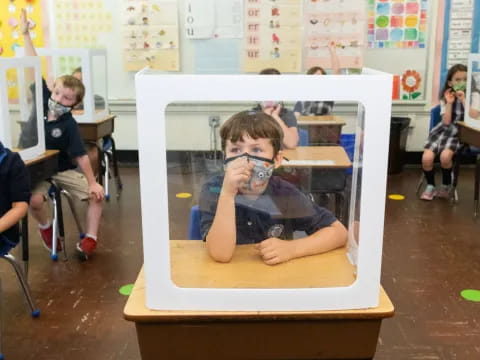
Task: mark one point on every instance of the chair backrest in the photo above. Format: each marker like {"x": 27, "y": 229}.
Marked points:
{"x": 303, "y": 137}
{"x": 194, "y": 224}
{"x": 435, "y": 116}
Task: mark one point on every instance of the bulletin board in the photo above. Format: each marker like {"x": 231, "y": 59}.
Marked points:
{"x": 100, "y": 24}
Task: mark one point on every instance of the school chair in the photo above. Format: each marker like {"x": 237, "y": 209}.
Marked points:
{"x": 55, "y": 194}
{"x": 435, "y": 118}
{"x": 110, "y": 160}
{"x": 22, "y": 279}
{"x": 194, "y": 224}
{"x": 303, "y": 137}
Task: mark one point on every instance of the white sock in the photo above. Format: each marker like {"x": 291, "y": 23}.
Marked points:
{"x": 94, "y": 237}
{"x": 46, "y": 226}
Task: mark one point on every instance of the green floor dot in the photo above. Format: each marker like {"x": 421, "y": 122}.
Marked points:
{"x": 126, "y": 289}
{"x": 472, "y": 295}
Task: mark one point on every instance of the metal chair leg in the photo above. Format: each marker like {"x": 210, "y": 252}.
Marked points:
{"x": 476, "y": 187}
{"x": 56, "y": 205}
{"x": 21, "y": 278}
{"x": 116, "y": 173}
{"x": 71, "y": 203}
{"x": 106, "y": 175}
{"x": 419, "y": 185}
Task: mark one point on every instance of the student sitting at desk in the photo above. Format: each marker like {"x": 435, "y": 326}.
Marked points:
{"x": 14, "y": 197}
{"x": 312, "y": 108}
{"x": 285, "y": 117}
{"x": 61, "y": 133}
{"x": 249, "y": 205}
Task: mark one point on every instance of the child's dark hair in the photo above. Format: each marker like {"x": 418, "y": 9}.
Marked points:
{"x": 455, "y": 68}
{"x": 255, "y": 124}
{"x": 71, "y": 82}
{"x": 269, "y": 71}
{"x": 314, "y": 69}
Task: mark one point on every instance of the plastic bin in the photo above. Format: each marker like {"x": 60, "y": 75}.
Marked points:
{"x": 398, "y": 143}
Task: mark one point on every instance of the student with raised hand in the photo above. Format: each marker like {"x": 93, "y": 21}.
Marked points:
{"x": 248, "y": 205}
{"x": 319, "y": 107}
{"x": 14, "y": 197}
{"x": 285, "y": 117}
{"x": 443, "y": 138}
{"x": 61, "y": 133}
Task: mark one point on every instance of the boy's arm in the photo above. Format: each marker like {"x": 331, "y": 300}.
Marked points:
{"x": 276, "y": 251}
{"x": 14, "y": 215}
{"x": 24, "y": 28}
{"x": 222, "y": 235}
{"x": 94, "y": 188}
{"x": 290, "y": 134}
{"x": 334, "y": 58}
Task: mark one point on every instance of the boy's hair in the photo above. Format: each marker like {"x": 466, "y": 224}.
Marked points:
{"x": 77, "y": 70}
{"x": 255, "y": 124}
{"x": 269, "y": 71}
{"x": 71, "y": 82}
{"x": 314, "y": 69}
{"x": 455, "y": 68}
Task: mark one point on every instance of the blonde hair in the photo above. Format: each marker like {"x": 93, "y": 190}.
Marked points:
{"x": 71, "y": 82}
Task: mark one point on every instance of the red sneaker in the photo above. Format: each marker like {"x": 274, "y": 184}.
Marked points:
{"x": 47, "y": 239}
{"x": 86, "y": 247}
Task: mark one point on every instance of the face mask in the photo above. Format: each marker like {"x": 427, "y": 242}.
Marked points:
{"x": 461, "y": 86}
{"x": 57, "y": 109}
{"x": 261, "y": 172}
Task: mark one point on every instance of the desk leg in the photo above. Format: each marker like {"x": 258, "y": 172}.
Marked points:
{"x": 24, "y": 235}
{"x": 116, "y": 173}
{"x": 339, "y": 206}
{"x": 476, "y": 189}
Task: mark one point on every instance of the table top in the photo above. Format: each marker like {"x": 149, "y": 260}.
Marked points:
{"x": 45, "y": 156}
{"x": 192, "y": 267}
{"x": 317, "y": 156}
{"x": 463, "y": 124}
{"x": 98, "y": 122}
{"x": 320, "y": 120}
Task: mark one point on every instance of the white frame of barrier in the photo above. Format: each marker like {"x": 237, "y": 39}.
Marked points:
{"x": 23, "y": 108}
{"x": 154, "y": 92}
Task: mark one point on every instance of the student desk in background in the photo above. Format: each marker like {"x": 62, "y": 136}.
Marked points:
{"x": 328, "y": 165}
{"x": 323, "y": 129}
{"x": 91, "y": 132}
{"x": 471, "y": 136}
{"x": 175, "y": 335}
{"x": 40, "y": 169}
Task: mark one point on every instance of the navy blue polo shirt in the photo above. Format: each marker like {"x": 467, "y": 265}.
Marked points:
{"x": 61, "y": 134}
{"x": 279, "y": 211}
{"x": 14, "y": 185}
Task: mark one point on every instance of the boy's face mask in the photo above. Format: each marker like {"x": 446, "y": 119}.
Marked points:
{"x": 261, "y": 172}
{"x": 57, "y": 109}
{"x": 460, "y": 86}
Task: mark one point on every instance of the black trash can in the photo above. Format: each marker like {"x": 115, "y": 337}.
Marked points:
{"x": 398, "y": 143}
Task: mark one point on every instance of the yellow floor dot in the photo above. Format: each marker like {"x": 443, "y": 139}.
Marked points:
{"x": 396, "y": 197}
{"x": 183, "y": 195}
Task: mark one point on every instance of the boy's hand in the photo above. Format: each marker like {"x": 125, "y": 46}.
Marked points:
{"x": 24, "y": 24}
{"x": 460, "y": 96}
{"x": 273, "y": 111}
{"x": 96, "y": 191}
{"x": 275, "y": 251}
{"x": 237, "y": 174}
{"x": 449, "y": 96}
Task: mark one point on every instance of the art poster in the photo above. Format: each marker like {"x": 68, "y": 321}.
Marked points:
{"x": 150, "y": 35}
{"x": 11, "y": 37}
{"x": 273, "y": 35}
{"x": 79, "y": 24}
{"x": 397, "y": 23}
{"x": 342, "y": 22}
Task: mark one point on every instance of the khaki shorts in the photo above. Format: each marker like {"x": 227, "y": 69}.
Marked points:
{"x": 71, "y": 180}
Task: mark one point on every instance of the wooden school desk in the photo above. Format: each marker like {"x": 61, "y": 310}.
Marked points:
{"x": 471, "y": 136}
{"x": 91, "y": 132}
{"x": 323, "y": 129}
{"x": 40, "y": 169}
{"x": 328, "y": 164}
{"x": 175, "y": 335}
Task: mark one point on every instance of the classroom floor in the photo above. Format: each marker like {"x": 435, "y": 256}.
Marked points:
{"x": 431, "y": 253}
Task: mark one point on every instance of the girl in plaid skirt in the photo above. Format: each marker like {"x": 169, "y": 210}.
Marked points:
{"x": 443, "y": 138}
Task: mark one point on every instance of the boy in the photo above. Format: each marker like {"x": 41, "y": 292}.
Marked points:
{"x": 14, "y": 197}
{"x": 61, "y": 133}
{"x": 248, "y": 205}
